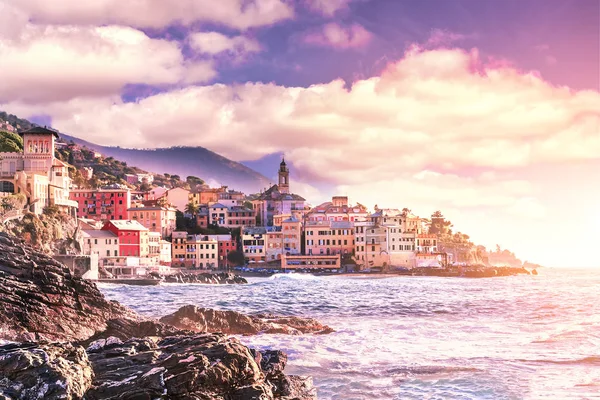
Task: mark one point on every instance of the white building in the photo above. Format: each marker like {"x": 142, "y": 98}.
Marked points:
{"x": 100, "y": 242}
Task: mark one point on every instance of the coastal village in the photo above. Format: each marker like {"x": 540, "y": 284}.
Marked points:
{"x": 127, "y": 232}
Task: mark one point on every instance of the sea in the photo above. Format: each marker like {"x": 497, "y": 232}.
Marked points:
{"x": 403, "y": 337}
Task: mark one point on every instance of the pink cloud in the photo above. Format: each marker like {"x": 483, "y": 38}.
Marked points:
{"x": 339, "y": 37}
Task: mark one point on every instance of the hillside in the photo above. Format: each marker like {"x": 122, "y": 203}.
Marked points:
{"x": 184, "y": 161}
{"x": 178, "y": 161}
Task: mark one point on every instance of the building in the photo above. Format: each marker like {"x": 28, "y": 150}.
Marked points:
{"x": 178, "y": 249}
{"x": 102, "y": 204}
{"x": 154, "y": 239}
{"x": 205, "y": 195}
{"x": 132, "y": 179}
{"x": 254, "y": 243}
{"x": 226, "y": 244}
{"x": 36, "y": 173}
{"x": 337, "y": 210}
{"x": 155, "y": 218}
{"x": 277, "y": 200}
{"x": 231, "y": 216}
{"x": 165, "y": 257}
{"x": 371, "y": 244}
{"x": 194, "y": 251}
{"x": 133, "y": 237}
{"x": 103, "y": 243}
{"x": 177, "y": 197}
{"x": 202, "y": 252}
{"x": 329, "y": 237}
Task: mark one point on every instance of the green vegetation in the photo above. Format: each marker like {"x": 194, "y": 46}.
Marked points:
{"x": 20, "y": 124}
{"x": 10, "y": 142}
{"x": 236, "y": 258}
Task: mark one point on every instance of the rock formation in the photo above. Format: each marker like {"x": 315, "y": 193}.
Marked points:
{"x": 208, "y": 367}
{"x": 41, "y": 299}
{"x": 88, "y": 347}
{"x": 199, "y": 319}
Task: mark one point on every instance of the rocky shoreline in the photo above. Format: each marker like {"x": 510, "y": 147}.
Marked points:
{"x": 69, "y": 342}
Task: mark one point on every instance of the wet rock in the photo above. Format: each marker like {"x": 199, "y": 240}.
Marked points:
{"x": 33, "y": 371}
{"x": 217, "y": 279}
{"x": 197, "y": 319}
{"x": 209, "y": 366}
{"x": 41, "y": 299}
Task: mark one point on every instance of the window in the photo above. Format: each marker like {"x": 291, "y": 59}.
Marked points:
{"x": 95, "y": 241}
{"x": 107, "y": 253}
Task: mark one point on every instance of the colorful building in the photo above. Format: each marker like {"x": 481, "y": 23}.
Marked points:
{"x": 133, "y": 237}
{"x": 329, "y": 237}
{"x": 102, "y": 204}
{"x": 155, "y": 218}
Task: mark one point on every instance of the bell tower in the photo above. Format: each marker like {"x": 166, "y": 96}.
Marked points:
{"x": 284, "y": 177}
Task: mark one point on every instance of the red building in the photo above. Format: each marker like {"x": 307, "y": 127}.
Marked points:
{"x": 102, "y": 204}
{"x": 133, "y": 237}
{"x": 226, "y": 244}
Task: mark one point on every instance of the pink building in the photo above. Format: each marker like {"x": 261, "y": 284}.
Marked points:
{"x": 102, "y": 204}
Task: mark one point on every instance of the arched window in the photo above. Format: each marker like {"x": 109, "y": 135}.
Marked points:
{"x": 30, "y": 145}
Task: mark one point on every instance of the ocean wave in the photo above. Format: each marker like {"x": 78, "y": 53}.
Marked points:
{"x": 294, "y": 276}
{"x": 429, "y": 370}
{"x": 585, "y": 361}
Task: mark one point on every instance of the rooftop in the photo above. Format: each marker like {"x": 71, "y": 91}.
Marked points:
{"x": 127, "y": 225}
{"x": 41, "y": 131}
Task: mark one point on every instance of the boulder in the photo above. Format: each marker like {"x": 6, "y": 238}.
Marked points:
{"x": 42, "y": 300}
{"x": 198, "y": 319}
{"x": 209, "y": 366}
{"x": 31, "y": 371}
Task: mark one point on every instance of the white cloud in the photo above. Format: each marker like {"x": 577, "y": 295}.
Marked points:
{"x": 214, "y": 44}
{"x": 239, "y": 14}
{"x": 338, "y": 36}
{"x": 60, "y": 63}
{"x": 423, "y": 131}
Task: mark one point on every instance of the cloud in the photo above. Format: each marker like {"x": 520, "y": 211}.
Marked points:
{"x": 436, "y": 127}
{"x": 338, "y": 36}
{"x": 215, "y": 44}
{"x": 238, "y": 14}
{"x": 58, "y": 63}
{"x": 327, "y": 7}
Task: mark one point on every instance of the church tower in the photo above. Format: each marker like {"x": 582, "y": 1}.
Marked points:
{"x": 284, "y": 178}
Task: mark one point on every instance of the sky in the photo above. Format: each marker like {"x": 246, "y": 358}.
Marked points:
{"x": 486, "y": 110}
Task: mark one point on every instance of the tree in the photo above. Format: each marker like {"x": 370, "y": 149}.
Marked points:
{"x": 439, "y": 225}
{"x": 194, "y": 181}
{"x": 191, "y": 208}
{"x": 236, "y": 257}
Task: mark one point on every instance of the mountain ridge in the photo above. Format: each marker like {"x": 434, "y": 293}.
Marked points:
{"x": 184, "y": 161}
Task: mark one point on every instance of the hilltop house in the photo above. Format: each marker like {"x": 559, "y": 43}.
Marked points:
{"x": 37, "y": 173}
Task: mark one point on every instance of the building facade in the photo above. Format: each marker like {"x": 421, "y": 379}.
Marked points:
{"x": 133, "y": 237}
{"x": 36, "y": 173}
{"x": 102, "y": 204}
{"x": 157, "y": 219}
